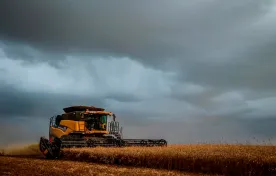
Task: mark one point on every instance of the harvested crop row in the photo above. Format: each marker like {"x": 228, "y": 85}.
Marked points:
{"x": 214, "y": 159}
{"x": 40, "y": 167}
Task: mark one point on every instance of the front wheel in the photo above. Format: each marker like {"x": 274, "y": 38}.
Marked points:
{"x": 120, "y": 143}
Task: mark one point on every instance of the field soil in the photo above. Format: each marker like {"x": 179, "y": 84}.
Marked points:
{"x": 219, "y": 159}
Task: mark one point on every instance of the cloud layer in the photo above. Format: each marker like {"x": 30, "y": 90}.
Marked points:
{"x": 187, "y": 71}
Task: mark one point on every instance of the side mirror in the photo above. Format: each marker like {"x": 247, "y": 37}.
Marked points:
{"x": 114, "y": 117}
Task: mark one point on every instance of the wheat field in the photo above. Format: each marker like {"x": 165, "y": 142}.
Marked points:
{"x": 219, "y": 159}
{"x": 11, "y": 166}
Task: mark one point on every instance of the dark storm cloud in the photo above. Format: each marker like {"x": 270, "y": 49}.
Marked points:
{"x": 16, "y": 103}
{"x": 253, "y": 71}
{"x": 210, "y": 43}
{"x": 153, "y": 30}
{"x": 29, "y": 53}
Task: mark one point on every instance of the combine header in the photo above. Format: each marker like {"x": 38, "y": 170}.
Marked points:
{"x": 87, "y": 126}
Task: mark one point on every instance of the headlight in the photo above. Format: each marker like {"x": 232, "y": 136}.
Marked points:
{"x": 63, "y": 128}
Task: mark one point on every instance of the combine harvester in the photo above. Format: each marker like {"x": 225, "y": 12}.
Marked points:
{"x": 87, "y": 126}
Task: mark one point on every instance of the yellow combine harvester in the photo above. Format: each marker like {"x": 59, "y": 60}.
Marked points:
{"x": 87, "y": 126}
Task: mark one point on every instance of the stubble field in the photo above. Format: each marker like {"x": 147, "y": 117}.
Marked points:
{"x": 172, "y": 160}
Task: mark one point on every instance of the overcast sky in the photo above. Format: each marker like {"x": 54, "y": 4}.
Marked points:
{"x": 186, "y": 71}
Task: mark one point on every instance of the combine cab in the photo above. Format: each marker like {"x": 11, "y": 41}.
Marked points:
{"x": 87, "y": 126}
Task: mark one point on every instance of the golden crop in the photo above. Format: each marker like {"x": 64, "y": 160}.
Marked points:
{"x": 10, "y": 166}
{"x": 205, "y": 158}
{"x": 219, "y": 159}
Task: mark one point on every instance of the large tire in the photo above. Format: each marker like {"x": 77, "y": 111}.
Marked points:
{"x": 120, "y": 143}
{"x": 90, "y": 143}
{"x": 48, "y": 156}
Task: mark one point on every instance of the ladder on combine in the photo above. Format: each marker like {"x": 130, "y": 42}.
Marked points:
{"x": 114, "y": 128}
